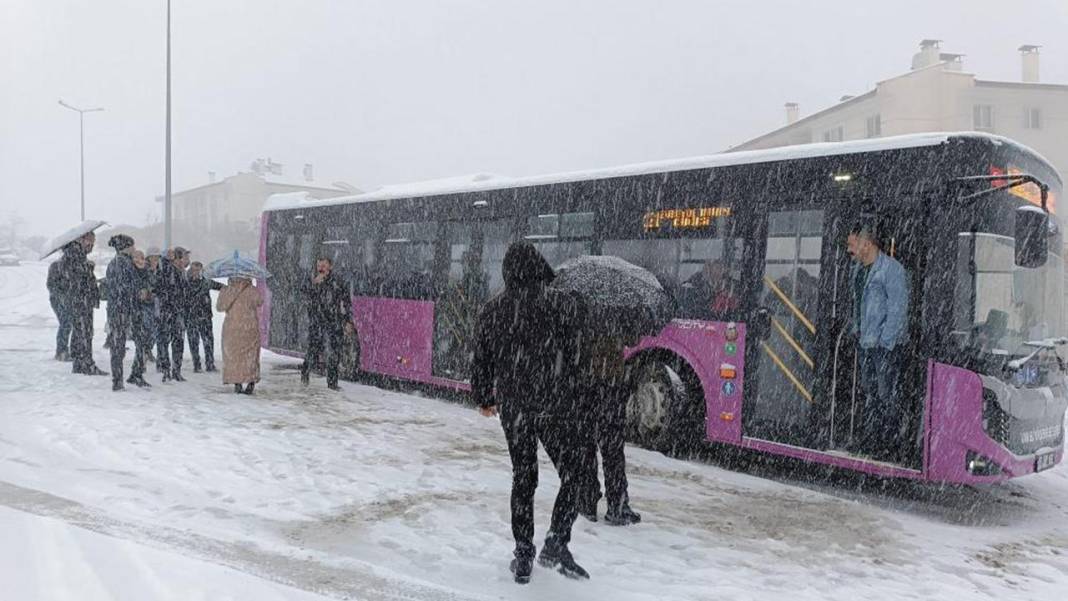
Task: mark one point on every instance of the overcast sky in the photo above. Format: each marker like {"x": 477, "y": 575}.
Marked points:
{"x": 375, "y": 92}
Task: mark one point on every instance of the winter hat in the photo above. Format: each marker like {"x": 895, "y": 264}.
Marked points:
{"x": 120, "y": 242}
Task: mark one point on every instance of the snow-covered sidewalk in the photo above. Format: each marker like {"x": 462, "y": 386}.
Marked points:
{"x": 372, "y": 494}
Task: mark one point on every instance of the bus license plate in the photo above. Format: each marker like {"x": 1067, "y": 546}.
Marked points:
{"x": 1045, "y": 461}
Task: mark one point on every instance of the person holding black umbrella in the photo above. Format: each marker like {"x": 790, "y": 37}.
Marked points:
{"x": 82, "y": 297}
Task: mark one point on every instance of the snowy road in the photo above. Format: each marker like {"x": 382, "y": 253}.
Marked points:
{"x": 369, "y": 494}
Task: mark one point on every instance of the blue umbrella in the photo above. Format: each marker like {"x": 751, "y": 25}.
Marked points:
{"x": 236, "y": 266}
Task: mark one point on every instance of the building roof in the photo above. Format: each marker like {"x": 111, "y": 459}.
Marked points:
{"x": 272, "y": 180}
{"x": 473, "y": 184}
{"x": 805, "y": 120}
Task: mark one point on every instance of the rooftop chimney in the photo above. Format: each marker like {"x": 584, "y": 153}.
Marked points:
{"x": 1029, "y": 54}
{"x": 211, "y": 177}
{"x": 793, "y": 113}
{"x": 307, "y": 172}
{"x": 928, "y": 55}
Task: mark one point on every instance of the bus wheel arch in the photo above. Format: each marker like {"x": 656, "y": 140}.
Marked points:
{"x": 666, "y": 409}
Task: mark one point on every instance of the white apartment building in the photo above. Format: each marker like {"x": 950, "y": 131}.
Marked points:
{"x": 938, "y": 95}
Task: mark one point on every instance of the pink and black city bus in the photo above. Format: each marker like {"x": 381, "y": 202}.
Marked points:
{"x": 772, "y": 367}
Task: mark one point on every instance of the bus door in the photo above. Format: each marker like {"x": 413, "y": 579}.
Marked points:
{"x": 899, "y": 226}
{"x": 784, "y": 360}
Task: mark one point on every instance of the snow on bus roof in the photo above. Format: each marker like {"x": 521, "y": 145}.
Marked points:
{"x": 482, "y": 181}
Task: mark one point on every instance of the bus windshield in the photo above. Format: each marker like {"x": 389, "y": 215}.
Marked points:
{"x": 1012, "y": 304}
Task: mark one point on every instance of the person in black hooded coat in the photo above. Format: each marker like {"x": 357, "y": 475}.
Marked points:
{"x": 526, "y": 365}
{"x": 123, "y": 286}
{"x": 80, "y": 296}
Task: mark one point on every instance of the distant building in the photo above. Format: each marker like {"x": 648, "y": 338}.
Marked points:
{"x": 938, "y": 95}
{"x": 238, "y": 200}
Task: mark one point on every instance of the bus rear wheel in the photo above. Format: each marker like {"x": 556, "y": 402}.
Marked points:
{"x": 664, "y": 411}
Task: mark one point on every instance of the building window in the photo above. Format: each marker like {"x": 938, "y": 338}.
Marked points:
{"x": 833, "y": 135}
{"x": 1033, "y": 118}
{"x": 875, "y": 126}
{"x": 983, "y": 117}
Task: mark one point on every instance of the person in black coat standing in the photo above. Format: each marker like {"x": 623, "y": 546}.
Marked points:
{"x": 198, "y": 316}
{"x": 81, "y": 297}
{"x": 330, "y": 319}
{"x": 171, "y": 285}
{"x": 526, "y": 368}
{"x": 123, "y": 286}
{"x": 58, "y": 288}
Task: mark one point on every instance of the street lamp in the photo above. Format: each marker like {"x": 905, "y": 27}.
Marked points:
{"x": 81, "y": 144}
{"x": 167, "y": 152}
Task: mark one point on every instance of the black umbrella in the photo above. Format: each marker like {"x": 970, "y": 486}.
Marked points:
{"x": 621, "y": 297}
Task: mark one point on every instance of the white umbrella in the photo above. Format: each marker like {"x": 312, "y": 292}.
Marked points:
{"x": 72, "y": 234}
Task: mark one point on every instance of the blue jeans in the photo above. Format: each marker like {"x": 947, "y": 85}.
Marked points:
{"x": 880, "y": 373}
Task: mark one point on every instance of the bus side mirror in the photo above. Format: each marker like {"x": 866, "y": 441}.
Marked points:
{"x": 1032, "y": 237}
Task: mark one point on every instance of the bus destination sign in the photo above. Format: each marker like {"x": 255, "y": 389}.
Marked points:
{"x": 686, "y": 219}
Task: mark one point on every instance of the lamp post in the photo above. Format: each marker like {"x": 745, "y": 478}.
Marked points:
{"x": 167, "y": 152}
{"x": 81, "y": 143}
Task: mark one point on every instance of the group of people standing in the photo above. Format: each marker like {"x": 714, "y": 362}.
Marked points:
{"x": 156, "y": 300}
{"x": 552, "y": 379}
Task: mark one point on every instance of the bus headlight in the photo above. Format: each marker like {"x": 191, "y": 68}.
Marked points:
{"x": 978, "y": 465}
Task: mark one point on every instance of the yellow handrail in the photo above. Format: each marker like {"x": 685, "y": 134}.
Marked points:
{"x": 793, "y": 343}
{"x": 786, "y": 300}
{"x": 786, "y": 371}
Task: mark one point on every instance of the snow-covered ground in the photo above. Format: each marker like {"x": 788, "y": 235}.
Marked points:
{"x": 187, "y": 491}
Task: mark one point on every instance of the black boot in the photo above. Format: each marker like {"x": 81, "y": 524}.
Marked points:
{"x": 305, "y": 378}
{"x": 138, "y": 381}
{"x": 249, "y": 387}
{"x": 196, "y": 368}
{"x": 588, "y": 510}
{"x": 521, "y": 568}
{"x": 93, "y": 371}
{"x": 116, "y": 385}
{"x": 557, "y": 556}
{"x": 178, "y": 376}
{"x": 238, "y": 389}
{"x": 622, "y": 516}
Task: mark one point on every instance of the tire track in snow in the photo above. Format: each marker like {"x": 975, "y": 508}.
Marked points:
{"x": 345, "y": 582}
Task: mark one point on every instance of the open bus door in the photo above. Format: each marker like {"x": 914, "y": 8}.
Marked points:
{"x": 802, "y": 386}
{"x": 898, "y": 225}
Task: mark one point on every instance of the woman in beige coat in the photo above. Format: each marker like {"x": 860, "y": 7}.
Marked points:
{"x": 240, "y": 300}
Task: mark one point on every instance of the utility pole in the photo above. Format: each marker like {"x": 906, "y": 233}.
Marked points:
{"x": 81, "y": 143}
{"x": 167, "y": 183}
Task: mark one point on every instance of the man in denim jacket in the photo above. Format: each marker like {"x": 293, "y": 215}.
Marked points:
{"x": 880, "y": 308}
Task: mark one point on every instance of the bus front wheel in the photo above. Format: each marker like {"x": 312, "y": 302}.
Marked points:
{"x": 661, "y": 411}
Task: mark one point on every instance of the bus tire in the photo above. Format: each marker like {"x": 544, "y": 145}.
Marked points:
{"x": 664, "y": 412}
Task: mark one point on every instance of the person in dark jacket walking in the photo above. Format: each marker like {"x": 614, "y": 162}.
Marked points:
{"x": 198, "y": 315}
{"x": 82, "y": 297}
{"x": 526, "y": 367}
{"x": 608, "y": 383}
{"x": 329, "y": 320}
{"x": 143, "y": 317}
{"x": 58, "y": 288}
{"x": 124, "y": 286}
{"x": 171, "y": 285}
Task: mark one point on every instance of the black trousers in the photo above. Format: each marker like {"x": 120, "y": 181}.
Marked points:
{"x": 559, "y": 436}
{"x": 318, "y": 334}
{"x": 171, "y": 334}
{"x": 604, "y": 430}
{"x": 81, "y": 340}
{"x": 63, "y": 335}
{"x": 120, "y": 325}
{"x": 199, "y": 330}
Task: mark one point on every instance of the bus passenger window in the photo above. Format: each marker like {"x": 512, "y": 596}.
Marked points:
{"x": 559, "y": 237}
{"x": 406, "y": 261}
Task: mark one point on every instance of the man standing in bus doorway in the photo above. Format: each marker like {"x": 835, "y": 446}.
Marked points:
{"x": 198, "y": 316}
{"x": 880, "y": 307}
{"x": 329, "y": 320}
{"x": 526, "y": 364}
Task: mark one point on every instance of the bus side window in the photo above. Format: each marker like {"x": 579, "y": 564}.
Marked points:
{"x": 561, "y": 236}
{"x": 406, "y": 260}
